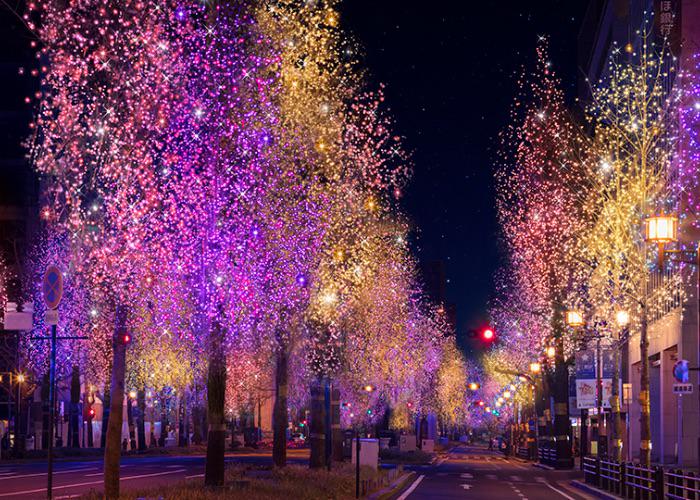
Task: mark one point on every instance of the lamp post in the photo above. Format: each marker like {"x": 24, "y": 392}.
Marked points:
{"x": 19, "y": 435}
{"x": 662, "y": 230}
{"x": 622, "y": 319}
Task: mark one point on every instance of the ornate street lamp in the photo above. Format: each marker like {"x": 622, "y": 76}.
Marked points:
{"x": 622, "y": 318}
{"x": 574, "y": 318}
{"x": 661, "y": 229}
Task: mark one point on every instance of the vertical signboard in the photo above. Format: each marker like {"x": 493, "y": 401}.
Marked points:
{"x": 608, "y": 359}
{"x": 585, "y": 380}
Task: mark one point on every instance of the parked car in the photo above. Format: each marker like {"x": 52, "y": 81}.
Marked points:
{"x": 296, "y": 440}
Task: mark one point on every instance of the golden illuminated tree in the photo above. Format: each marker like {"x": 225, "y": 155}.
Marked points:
{"x": 633, "y": 113}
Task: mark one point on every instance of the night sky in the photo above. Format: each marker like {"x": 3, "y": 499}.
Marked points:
{"x": 450, "y": 70}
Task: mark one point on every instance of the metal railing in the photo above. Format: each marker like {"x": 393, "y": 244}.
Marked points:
{"x": 633, "y": 481}
{"x": 547, "y": 453}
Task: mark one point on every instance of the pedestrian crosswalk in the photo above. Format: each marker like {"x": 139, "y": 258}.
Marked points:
{"x": 476, "y": 474}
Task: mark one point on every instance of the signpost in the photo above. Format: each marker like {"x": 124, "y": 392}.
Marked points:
{"x": 52, "y": 290}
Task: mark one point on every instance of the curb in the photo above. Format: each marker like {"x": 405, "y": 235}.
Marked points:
{"x": 394, "y": 488}
{"x": 593, "y": 490}
{"x": 543, "y": 466}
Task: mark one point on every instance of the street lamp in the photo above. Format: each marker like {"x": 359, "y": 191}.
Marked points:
{"x": 535, "y": 367}
{"x": 473, "y": 386}
{"x": 574, "y": 318}
{"x": 661, "y": 229}
{"x": 551, "y": 351}
{"x": 622, "y": 318}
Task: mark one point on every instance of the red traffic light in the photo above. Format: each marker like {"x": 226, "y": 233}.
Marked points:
{"x": 124, "y": 338}
{"x": 488, "y": 334}
{"x": 481, "y": 403}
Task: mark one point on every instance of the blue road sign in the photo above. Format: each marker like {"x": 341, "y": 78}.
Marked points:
{"x": 53, "y": 287}
{"x": 680, "y": 371}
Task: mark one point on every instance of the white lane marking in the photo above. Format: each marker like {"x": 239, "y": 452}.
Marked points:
{"x": 466, "y": 486}
{"x": 68, "y": 471}
{"x": 492, "y": 477}
{"x": 411, "y": 488}
{"x": 88, "y": 483}
{"x": 94, "y": 474}
{"x": 515, "y": 478}
{"x": 517, "y": 465}
{"x": 194, "y": 475}
{"x": 559, "y": 491}
{"x": 466, "y": 475}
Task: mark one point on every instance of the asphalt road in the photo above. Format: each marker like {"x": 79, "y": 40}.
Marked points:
{"x": 470, "y": 472}
{"x": 27, "y": 480}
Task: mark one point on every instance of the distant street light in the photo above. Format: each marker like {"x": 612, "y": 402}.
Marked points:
{"x": 574, "y": 318}
{"x": 535, "y": 367}
{"x": 622, "y": 318}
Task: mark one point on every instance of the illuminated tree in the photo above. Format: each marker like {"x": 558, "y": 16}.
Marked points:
{"x": 635, "y": 140}
{"x": 541, "y": 193}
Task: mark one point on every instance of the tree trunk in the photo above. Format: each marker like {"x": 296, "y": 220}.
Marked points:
{"x": 317, "y": 426}
{"x": 216, "y": 390}
{"x": 279, "y": 439}
{"x": 74, "y": 422}
{"x": 184, "y": 428}
{"x": 197, "y": 425}
{"x": 141, "y": 420}
{"x": 105, "y": 414}
{"x": 562, "y": 424}
{"x": 644, "y": 403}
{"x": 336, "y": 431}
{"x": 114, "y": 425}
{"x": 87, "y": 397}
{"x": 617, "y": 430}
{"x": 131, "y": 423}
{"x": 163, "y": 419}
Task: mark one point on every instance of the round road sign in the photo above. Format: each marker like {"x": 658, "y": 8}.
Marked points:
{"x": 53, "y": 287}
{"x": 680, "y": 371}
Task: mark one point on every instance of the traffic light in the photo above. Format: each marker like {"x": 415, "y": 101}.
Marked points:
{"x": 487, "y": 334}
{"x": 124, "y": 338}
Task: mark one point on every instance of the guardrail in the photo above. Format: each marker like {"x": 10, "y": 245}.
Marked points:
{"x": 630, "y": 480}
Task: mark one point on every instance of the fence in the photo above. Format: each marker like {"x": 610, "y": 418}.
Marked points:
{"x": 547, "y": 453}
{"x": 629, "y": 480}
